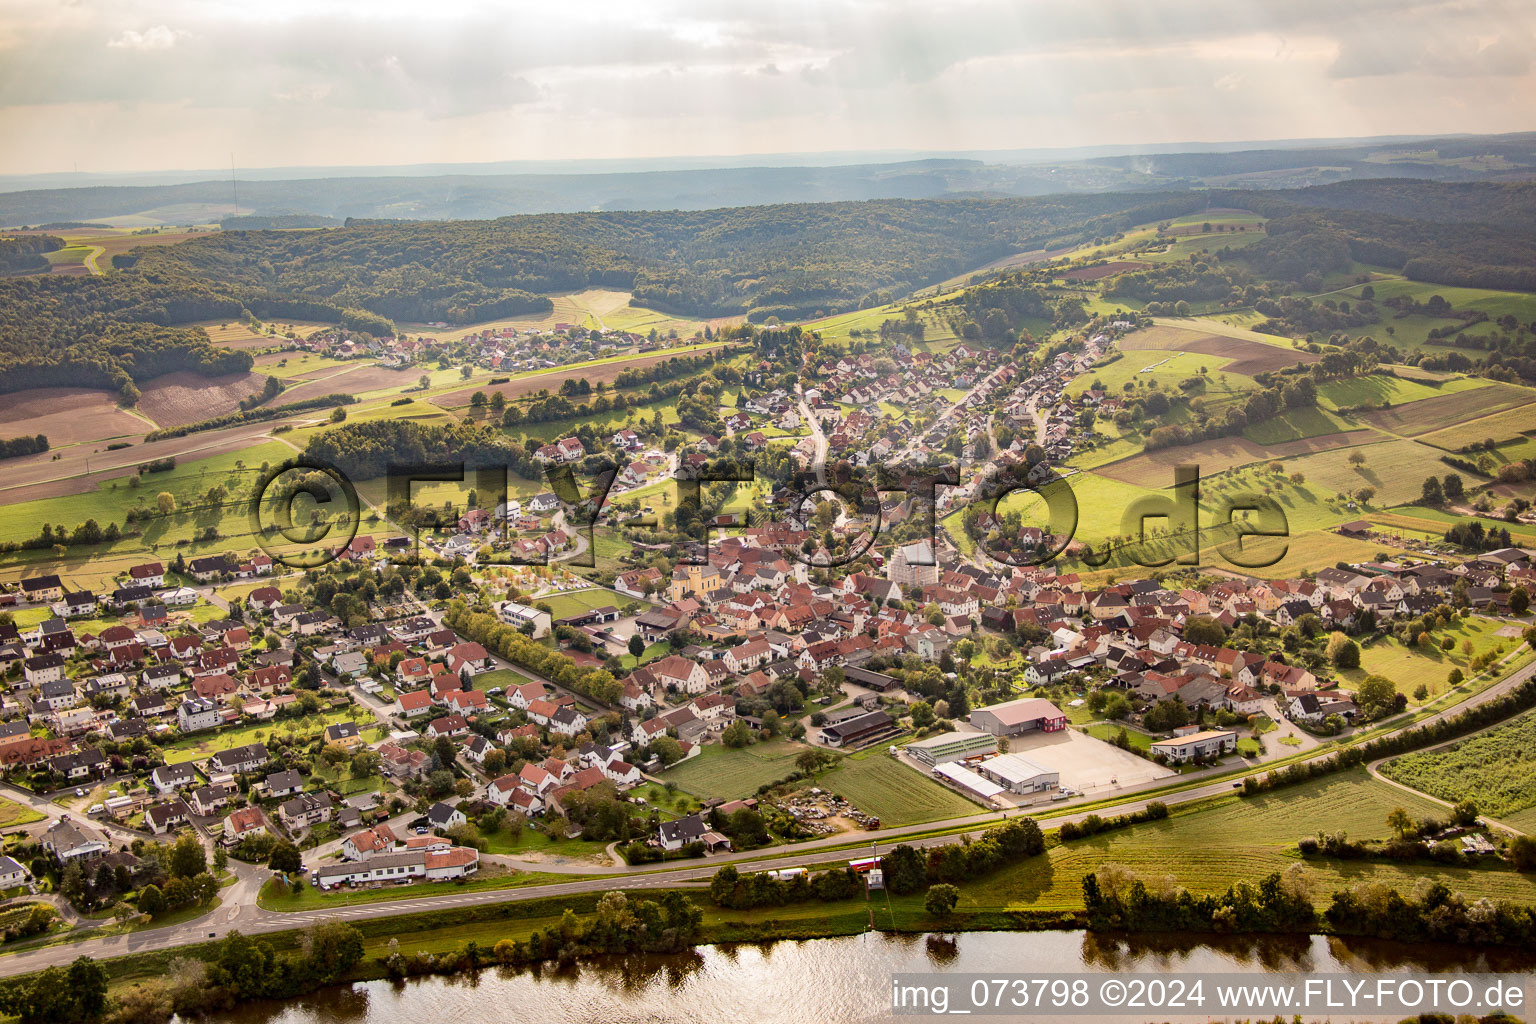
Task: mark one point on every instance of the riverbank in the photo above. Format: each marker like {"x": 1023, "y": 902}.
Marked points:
{"x": 847, "y": 976}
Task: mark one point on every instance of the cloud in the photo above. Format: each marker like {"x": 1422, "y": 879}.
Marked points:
{"x": 1442, "y": 55}
{"x": 160, "y": 37}
{"x": 325, "y": 80}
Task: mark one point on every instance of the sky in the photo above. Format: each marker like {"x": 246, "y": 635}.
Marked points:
{"x": 140, "y": 85}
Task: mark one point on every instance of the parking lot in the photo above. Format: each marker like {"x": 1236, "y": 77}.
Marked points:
{"x": 1085, "y": 764}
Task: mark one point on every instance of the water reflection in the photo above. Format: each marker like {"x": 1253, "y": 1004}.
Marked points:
{"x": 836, "y": 981}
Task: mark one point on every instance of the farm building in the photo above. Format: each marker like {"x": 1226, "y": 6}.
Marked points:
{"x": 1026, "y": 714}
{"x": 859, "y": 729}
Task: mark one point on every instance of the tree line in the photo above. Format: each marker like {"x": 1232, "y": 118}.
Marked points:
{"x": 14, "y": 447}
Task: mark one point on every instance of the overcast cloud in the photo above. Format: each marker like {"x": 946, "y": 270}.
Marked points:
{"x": 156, "y": 84}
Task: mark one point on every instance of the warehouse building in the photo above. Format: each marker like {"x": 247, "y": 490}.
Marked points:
{"x": 1027, "y": 714}
{"x": 1018, "y": 774}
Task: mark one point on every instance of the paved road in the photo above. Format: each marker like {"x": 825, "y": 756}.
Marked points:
{"x": 240, "y": 911}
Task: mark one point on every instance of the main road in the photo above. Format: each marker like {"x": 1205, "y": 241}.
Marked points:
{"x": 252, "y": 919}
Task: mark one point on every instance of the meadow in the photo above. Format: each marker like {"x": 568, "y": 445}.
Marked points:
{"x": 198, "y": 746}
{"x": 1297, "y": 425}
{"x": 1434, "y": 521}
{"x": 1515, "y": 424}
{"x": 591, "y": 308}
{"x": 727, "y": 774}
{"x": 1411, "y": 667}
{"x": 878, "y": 784}
{"x": 1442, "y": 411}
{"x": 189, "y": 483}
{"x": 1381, "y": 390}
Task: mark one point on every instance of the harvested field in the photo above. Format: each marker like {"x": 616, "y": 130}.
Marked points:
{"x": 42, "y": 476}
{"x": 67, "y": 416}
{"x": 358, "y": 379}
{"x": 1436, "y": 414}
{"x": 1248, "y": 357}
{"x": 520, "y": 387}
{"x": 184, "y": 397}
{"x": 1155, "y": 469}
{"x": 113, "y": 244}
{"x": 1104, "y": 270}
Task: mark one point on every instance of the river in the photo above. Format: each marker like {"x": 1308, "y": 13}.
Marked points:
{"x": 830, "y": 981}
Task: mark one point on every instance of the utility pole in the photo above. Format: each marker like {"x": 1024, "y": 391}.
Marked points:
{"x": 234, "y": 183}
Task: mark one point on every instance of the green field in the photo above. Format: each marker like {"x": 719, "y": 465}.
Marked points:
{"x": 199, "y": 745}
{"x": 1494, "y": 768}
{"x": 577, "y": 601}
{"x": 13, "y": 814}
{"x": 1381, "y": 390}
{"x": 1164, "y": 366}
{"x": 1435, "y": 522}
{"x": 189, "y": 483}
{"x": 1295, "y": 424}
{"x": 1438, "y": 413}
{"x": 719, "y": 771}
{"x": 1209, "y": 848}
{"x": 1511, "y": 424}
{"x": 880, "y": 785}
{"x": 1410, "y": 667}
{"x": 1396, "y": 469}
{"x": 1412, "y": 332}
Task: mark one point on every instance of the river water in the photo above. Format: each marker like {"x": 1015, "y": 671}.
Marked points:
{"x": 832, "y": 981}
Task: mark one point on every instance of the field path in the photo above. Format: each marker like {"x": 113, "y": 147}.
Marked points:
{"x": 1374, "y": 765}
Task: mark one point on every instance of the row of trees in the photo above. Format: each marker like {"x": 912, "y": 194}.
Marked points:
{"x": 906, "y": 868}
{"x": 14, "y": 447}
{"x": 507, "y": 642}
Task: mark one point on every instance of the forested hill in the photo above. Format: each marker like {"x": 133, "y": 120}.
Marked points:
{"x": 787, "y": 260}
{"x": 1481, "y": 235}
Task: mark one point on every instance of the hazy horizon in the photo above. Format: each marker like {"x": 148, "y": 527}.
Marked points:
{"x": 168, "y": 86}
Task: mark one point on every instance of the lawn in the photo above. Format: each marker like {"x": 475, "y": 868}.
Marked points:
{"x": 1493, "y": 768}
{"x": 719, "y": 771}
{"x": 13, "y": 814}
{"x": 502, "y": 677}
{"x": 1107, "y": 732}
{"x": 650, "y": 654}
{"x": 565, "y": 605}
{"x": 880, "y": 785}
{"x": 530, "y": 841}
{"x": 201, "y": 745}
